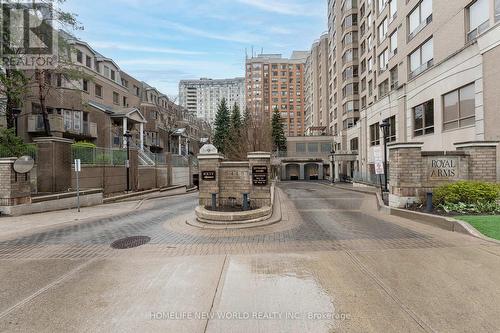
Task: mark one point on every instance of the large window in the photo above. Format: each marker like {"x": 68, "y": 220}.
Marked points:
{"x": 383, "y": 60}
{"x": 420, "y": 17}
{"x": 393, "y": 44}
{"x": 423, "y": 118}
{"x": 392, "y": 129}
{"x": 459, "y": 108}
{"x": 421, "y": 58}
{"x": 374, "y": 135}
{"x": 393, "y": 9}
{"x": 478, "y": 18}
{"x": 382, "y": 30}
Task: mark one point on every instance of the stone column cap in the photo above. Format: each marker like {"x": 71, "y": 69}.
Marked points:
{"x": 398, "y": 145}
{"x": 53, "y": 139}
{"x": 8, "y": 160}
{"x": 259, "y": 154}
{"x": 210, "y": 157}
{"x": 470, "y": 144}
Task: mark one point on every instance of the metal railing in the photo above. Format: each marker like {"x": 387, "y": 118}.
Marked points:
{"x": 180, "y": 161}
{"x": 100, "y": 156}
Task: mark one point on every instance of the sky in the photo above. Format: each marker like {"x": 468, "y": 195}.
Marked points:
{"x": 164, "y": 41}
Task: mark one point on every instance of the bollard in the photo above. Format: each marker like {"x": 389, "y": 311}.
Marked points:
{"x": 430, "y": 206}
{"x": 245, "y": 201}
{"x": 214, "y": 201}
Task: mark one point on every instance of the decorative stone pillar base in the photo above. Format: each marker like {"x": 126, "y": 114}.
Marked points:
{"x": 15, "y": 188}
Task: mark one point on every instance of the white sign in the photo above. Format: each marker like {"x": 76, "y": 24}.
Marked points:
{"x": 78, "y": 165}
{"x": 378, "y": 158}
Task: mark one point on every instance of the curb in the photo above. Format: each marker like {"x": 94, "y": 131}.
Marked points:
{"x": 138, "y": 194}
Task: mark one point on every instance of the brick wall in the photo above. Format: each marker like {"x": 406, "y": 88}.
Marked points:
{"x": 482, "y": 163}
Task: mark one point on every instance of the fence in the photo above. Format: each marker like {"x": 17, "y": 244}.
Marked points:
{"x": 100, "y": 156}
{"x": 179, "y": 161}
{"x": 370, "y": 178}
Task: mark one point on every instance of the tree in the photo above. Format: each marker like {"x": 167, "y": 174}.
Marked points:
{"x": 15, "y": 82}
{"x": 222, "y": 126}
{"x": 278, "y": 132}
{"x": 237, "y": 146}
{"x": 12, "y": 145}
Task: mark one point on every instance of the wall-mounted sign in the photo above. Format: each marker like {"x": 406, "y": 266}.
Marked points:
{"x": 378, "y": 158}
{"x": 24, "y": 164}
{"x": 259, "y": 175}
{"x": 443, "y": 168}
{"x": 208, "y": 175}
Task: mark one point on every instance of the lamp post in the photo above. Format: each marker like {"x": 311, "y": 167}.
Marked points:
{"x": 127, "y": 136}
{"x": 385, "y": 126}
{"x": 332, "y": 158}
{"x": 15, "y": 113}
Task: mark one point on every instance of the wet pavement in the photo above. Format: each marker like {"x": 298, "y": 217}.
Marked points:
{"x": 333, "y": 264}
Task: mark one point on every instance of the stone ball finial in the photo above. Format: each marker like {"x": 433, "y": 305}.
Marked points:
{"x": 209, "y": 149}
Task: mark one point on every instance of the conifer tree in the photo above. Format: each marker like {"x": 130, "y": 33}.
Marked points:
{"x": 222, "y": 126}
{"x": 278, "y": 132}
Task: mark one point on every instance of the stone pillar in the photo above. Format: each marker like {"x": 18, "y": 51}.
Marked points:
{"x": 321, "y": 173}
{"x": 482, "y": 159}
{"x": 406, "y": 167}
{"x": 209, "y": 168}
{"x": 337, "y": 172}
{"x": 331, "y": 169}
{"x": 141, "y": 137}
{"x": 260, "y": 196}
{"x": 124, "y": 131}
{"x": 15, "y": 188}
{"x": 283, "y": 171}
{"x": 302, "y": 175}
{"x": 54, "y": 164}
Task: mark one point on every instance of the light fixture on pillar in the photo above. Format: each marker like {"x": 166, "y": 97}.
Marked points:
{"x": 385, "y": 126}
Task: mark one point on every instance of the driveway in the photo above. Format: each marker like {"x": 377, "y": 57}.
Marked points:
{"x": 333, "y": 264}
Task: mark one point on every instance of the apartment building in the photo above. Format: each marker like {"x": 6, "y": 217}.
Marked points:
{"x": 428, "y": 67}
{"x": 274, "y": 82}
{"x": 104, "y": 104}
{"x": 202, "y": 97}
{"x": 316, "y": 92}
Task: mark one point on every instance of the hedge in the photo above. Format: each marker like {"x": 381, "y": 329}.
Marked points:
{"x": 467, "y": 192}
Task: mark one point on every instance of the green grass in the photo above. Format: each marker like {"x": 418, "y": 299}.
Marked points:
{"x": 487, "y": 225}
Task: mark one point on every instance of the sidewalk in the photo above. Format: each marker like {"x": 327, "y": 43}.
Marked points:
{"x": 12, "y": 226}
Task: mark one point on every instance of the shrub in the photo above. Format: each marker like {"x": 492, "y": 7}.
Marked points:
{"x": 467, "y": 192}
{"x": 12, "y": 145}
{"x": 84, "y": 151}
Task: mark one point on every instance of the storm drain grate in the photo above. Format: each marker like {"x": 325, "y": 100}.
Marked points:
{"x": 130, "y": 242}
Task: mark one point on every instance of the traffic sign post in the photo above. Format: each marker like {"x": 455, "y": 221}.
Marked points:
{"x": 78, "y": 169}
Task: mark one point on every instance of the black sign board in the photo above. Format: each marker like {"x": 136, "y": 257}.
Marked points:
{"x": 208, "y": 175}
{"x": 259, "y": 175}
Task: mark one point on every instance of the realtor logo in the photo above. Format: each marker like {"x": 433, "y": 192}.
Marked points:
{"x": 28, "y": 37}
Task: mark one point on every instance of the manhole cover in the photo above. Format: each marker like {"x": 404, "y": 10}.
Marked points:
{"x": 130, "y": 242}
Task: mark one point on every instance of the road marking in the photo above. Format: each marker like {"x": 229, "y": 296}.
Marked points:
{"x": 51, "y": 285}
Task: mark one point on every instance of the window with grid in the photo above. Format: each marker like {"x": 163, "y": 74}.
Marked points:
{"x": 374, "y": 135}
{"x": 423, "y": 118}
{"x": 459, "y": 108}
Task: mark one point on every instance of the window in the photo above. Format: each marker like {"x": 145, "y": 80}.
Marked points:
{"x": 383, "y": 60}
{"x": 382, "y": 30}
{"x": 116, "y": 98}
{"x": 383, "y": 88}
{"x": 374, "y": 135}
{"x": 393, "y": 9}
{"x": 59, "y": 79}
{"x": 326, "y": 147}
{"x": 392, "y": 129}
{"x": 478, "y": 15}
{"x": 393, "y": 44}
{"x": 85, "y": 85}
{"x": 394, "y": 77}
{"x": 98, "y": 90}
{"x": 113, "y": 75}
{"x": 381, "y": 5}
{"x": 354, "y": 144}
{"x": 423, "y": 118}
{"x": 420, "y": 17}
{"x": 459, "y": 108}
{"x": 79, "y": 56}
{"x": 312, "y": 147}
{"x": 421, "y": 58}
{"x": 88, "y": 62}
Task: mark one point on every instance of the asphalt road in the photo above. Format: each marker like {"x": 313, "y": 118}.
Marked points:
{"x": 333, "y": 264}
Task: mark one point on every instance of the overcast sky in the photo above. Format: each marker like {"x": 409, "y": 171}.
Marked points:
{"x": 164, "y": 41}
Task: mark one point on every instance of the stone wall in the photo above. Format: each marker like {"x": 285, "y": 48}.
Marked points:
{"x": 15, "y": 188}
{"x": 230, "y": 180}
{"x": 413, "y": 172}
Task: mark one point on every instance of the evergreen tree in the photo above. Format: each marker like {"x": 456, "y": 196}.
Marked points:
{"x": 278, "y": 132}
{"x": 222, "y": 126}
{"x": 236, "y": 123}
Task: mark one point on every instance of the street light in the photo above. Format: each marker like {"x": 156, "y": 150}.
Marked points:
{"x": 385, "y": 126}
{"x": 15, "y": 113}
{"x": 127, "y": 136}
{"x": 332, "y": 156}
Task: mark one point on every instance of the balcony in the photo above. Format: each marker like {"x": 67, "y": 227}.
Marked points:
{"x": 35, "y": 123}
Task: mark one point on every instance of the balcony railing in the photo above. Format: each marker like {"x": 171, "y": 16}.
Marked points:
{"x": 35, "y": 125}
